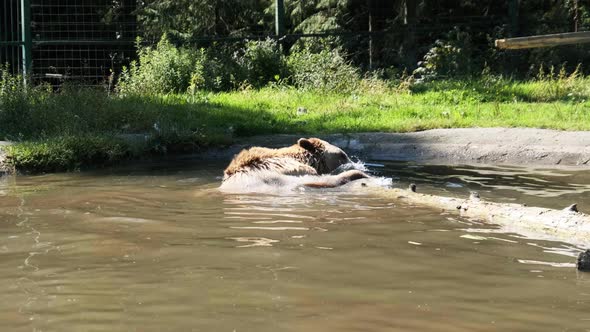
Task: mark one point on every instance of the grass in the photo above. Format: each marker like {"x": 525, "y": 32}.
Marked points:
{"x": 389, "y": 111}
{"x": 78, "y": 128}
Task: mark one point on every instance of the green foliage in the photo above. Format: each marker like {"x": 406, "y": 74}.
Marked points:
{"x": 448, "y": 57}
{"x": 549, "y": 87}
{"x": 256, "y": 64}
{"x": 326, "y": 70}
{"x": 17, "y": 100}
{"x": 215, "y": 69}
{"x": 184, "y": 20}
{"x": 171, "y": 69}
{"x": 13, "y": 102}
{"x": 187, "y": 22}
{"x": 317, "y": 15}
{"x": 262, "y": 62}
{"x": 11, "y": 86}
{"x": 162, "y": 69}
{"x": 67, "y": 153}
{"x": 559, "y": 85}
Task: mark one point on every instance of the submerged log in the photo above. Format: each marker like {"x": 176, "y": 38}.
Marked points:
{"x": 566, "y": 225}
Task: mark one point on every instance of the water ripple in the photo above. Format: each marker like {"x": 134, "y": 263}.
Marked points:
{"x": 254, "y": 241}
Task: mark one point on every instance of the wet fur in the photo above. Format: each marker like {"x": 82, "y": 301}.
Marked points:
{"x": 302, "y": 164}
{"x": 293, "y": 160}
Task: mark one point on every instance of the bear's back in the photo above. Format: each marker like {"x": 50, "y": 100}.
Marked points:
{"x": 290, "y": 160}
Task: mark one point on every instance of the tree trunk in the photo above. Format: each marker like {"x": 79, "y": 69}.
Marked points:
{"x": 566, "y": 225}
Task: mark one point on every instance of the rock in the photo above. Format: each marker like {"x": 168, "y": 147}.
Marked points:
{"x": 583, "y": 263}
{"x": 4, "y": 169}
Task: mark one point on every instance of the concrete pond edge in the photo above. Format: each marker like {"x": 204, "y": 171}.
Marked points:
{"x": 470, "y": 146}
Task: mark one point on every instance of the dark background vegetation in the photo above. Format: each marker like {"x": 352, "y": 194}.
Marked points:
{"x": 90, "y": 38}
{"x": 404, "y": 32}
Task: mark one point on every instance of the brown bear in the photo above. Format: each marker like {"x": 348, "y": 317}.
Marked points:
{"x": 306, "y": 163}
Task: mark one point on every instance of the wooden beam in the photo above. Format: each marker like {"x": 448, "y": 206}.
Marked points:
{"x": 544, "y": 40}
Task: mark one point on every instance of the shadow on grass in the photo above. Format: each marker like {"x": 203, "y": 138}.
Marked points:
{"x": 86, "y": 128}
{"x": 89, "y": 112}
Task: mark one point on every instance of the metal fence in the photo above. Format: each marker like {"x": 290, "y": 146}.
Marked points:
{"x": 88, "y": 40}
{"x": 11, "y": 29}
{"x": 57, "y": 40}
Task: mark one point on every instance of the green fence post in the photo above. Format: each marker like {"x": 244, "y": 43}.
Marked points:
{"x": 411, "y": 9}
{"x": 280, "y": 23}
{"x": 27, "y": 42}
{"x": 513, "y": 14}
{"x": 280, "y": 18}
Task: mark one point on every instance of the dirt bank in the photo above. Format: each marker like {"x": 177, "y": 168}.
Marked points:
{"x": 510, "y": 146}
{"x": 513, "y": 146}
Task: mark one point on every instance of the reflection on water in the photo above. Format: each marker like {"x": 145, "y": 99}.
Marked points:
{"x": 157, "y": 248}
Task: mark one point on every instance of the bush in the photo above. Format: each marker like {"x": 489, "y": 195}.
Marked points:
{"x": 170, "y": 69}
{"x": 326, "y": 70}
{"x": 36, "y": 112}
{"x": 14, "y": 104}
{"x": 219, "y": 69}
{"x": 163, "y": 69}
{"x": 262, "y": 62}
{"x": 448, "y": 57}
{"x": 18, "y": 101}
{"x": 560, "y": 85}
{"x": 215, "y": 69}
{"x": 10, "y": 85}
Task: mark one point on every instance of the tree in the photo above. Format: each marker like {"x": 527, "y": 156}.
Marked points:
{"x": 187, "y": 19}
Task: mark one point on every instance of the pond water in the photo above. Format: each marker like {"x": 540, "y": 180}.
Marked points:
{"x": 157, "y": 248}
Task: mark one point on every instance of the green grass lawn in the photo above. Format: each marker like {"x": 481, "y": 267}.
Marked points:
{"x": 275, "y": 111}
{"x": 78, "y": 128}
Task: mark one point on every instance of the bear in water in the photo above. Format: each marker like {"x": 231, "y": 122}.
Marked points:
{"x": 307, "y": 163}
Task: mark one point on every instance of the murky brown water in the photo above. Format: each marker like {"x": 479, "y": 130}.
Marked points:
{"x": 158, "y": 249}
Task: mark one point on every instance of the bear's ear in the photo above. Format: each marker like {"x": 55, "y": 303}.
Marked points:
{"x": 307, "y": 144}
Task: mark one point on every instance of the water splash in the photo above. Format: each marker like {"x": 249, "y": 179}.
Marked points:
{"x": 353, "y": 165}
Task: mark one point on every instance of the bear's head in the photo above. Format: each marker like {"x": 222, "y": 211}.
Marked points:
{"x": 325, "y": 156}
